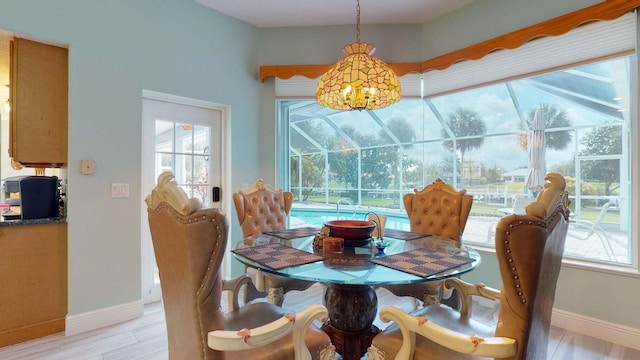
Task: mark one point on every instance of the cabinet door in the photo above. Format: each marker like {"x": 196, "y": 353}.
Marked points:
{"x": 39, "y": 103}
{"x": 33, "y": 279}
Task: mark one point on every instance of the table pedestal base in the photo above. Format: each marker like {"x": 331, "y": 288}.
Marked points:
{"x": 348, "y": 344}
{"x": 352, "y": 309}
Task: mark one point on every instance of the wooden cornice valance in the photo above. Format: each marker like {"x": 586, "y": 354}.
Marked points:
{"x": 607, "y": 10}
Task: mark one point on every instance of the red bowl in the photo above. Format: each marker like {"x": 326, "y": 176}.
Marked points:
{"x": 354, "y": 232}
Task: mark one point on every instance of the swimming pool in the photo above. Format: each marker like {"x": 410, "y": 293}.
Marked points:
{"x": 317, "y": 217}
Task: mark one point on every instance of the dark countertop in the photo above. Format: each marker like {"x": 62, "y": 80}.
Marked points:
{"x": 53, "y": 220}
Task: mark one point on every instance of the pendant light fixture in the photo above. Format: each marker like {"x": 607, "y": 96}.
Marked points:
{"x": 359, "y": 81}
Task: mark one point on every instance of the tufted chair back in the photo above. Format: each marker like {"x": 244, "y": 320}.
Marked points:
{"x": 189, "y": 244}
{"x": 438, "y": 209}
{"x": 262, "y": 208}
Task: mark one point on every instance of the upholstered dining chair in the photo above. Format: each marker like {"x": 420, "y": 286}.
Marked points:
{"x": 189, "y": 244}
{"x": 529, "y": 250}
{"x": 438, "y": 209}
{"x": 262, "y": 208}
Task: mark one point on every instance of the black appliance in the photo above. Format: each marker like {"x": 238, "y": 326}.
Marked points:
{"x": 38, "y": 196}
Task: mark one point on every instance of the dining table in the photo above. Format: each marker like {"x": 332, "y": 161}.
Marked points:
{"x": 352, "y": 274}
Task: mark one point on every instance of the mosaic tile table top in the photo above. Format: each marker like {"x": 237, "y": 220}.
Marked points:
{"x": 422, "y": 262}
{"x": 277, "y": 256}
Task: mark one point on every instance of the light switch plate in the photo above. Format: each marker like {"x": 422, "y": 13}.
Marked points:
{"x": 88, "y": 167}
{"x": 119, "y": 190}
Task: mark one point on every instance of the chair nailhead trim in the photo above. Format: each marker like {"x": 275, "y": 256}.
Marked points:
{"x": 189, "y": 220}
{"x": 554, "y": 216}
{"x": 507, "y": 247}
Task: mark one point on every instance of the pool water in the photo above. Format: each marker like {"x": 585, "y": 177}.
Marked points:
{"x": 317, "y": 218}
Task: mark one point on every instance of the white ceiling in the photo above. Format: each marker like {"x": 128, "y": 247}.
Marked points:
{"x": 285, "y": 13}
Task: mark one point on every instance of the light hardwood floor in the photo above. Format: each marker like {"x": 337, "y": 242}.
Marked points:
{"x": 144, "y": 338}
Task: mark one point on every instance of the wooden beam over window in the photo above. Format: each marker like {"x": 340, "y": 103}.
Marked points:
{"x": 314, "y": 71}
{"x": 607, "y": 10}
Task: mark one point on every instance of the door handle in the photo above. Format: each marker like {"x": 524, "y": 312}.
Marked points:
{"x": 215, "y": 191}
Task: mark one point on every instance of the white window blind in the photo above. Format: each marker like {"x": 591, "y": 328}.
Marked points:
{"x": 588, "y": 42}
{"x": 591, "y": 41}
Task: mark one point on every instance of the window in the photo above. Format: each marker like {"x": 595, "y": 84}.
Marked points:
{"x": 184, "y": 149}
{"x": 478, "y": 139}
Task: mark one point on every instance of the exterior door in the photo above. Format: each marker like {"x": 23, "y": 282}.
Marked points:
{"x": 188, "y": 140}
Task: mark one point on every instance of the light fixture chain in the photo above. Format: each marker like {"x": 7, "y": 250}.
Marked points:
{"x": 358, "y": 21}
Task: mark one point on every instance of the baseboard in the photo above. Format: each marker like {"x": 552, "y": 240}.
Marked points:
{"x": 611, "y": 332}
{"x": 31, "y": 331}
{"x": 96, "y": 319}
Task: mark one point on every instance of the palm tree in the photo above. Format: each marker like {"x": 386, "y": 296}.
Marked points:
{"x": 464, "y": 122}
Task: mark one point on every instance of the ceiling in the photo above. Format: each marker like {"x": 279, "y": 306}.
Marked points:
{"x": 286, "y": 13}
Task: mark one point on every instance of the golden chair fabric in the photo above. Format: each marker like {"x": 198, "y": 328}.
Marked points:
{"x": 262, "y": 208}
{"x": 189, "y": 245}
{"x": 438, "y": 209}
{"x": 529, "y": 250}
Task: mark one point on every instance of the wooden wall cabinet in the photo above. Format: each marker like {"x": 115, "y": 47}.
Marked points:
{"x": 33, "y": 281}
{"x": 38, "y": 95}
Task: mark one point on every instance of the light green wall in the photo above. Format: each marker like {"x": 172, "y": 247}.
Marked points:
{"x": 117, "y": 48}
{"x": 601, "y": 295}
{"x": 486, "y": 19}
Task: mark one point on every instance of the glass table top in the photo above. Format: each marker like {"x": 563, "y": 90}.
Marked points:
{"x": 353, "y": 264}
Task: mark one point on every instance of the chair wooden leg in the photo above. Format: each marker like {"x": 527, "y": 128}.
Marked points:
{"x": 430, "y": 299}
{"x": 276, "y": 296}
{"x": 453, "y": 301}
{"x": 415, "y": 302}
{"x": 251, "y": 293}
